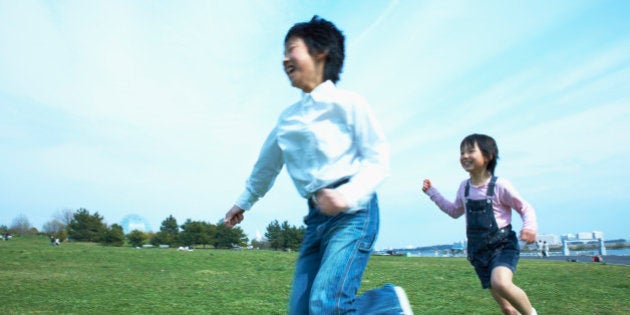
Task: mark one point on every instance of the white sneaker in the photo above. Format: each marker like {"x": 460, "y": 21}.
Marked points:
{"x": 534, "y": 311}
{"x": 403, "y": 300}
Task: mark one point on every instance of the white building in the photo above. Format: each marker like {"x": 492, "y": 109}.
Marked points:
{"x": 598, "y": 235}
{"x": 586, "y": 236}
{"x": 551, "y": 239}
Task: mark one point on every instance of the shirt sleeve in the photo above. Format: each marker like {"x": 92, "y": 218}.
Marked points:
{"x": 373, "y": 152}
{"x": 511, "y": 198}
{"x": 264, "y": 173}
{"x": 454, "y": 209}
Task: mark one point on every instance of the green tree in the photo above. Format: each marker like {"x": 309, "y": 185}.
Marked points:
{"x": 86, "y": 227}
{"x": 136, "y": 238}
{"x": 168, "y": 234}
{"x": 293, "y": 236}
{"x": 262, "y": 244}
{"x": 197, "y": 233}
{"x": 113, "y": 236}
{"x": 284, "y": 236}
{"x": 274, "y": 235}
{"x": 229, "y": 237}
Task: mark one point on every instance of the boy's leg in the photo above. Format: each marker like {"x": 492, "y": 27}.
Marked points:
{"x": 504, "y": 290}
{"x": 387, "y": 299}
{"x": 347, "y": 242}
{"x": 307, "y": 265}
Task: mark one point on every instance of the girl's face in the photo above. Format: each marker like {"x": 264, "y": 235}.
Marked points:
{"x": 305, "y": 71}
{"x": 472, "y": 159}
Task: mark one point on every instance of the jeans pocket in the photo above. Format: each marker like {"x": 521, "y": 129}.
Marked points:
{"x": 367, "y": 245}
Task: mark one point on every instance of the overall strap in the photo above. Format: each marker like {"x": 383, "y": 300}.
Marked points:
{"x": 490, "y": 192}
{"x": 467, "y": 189}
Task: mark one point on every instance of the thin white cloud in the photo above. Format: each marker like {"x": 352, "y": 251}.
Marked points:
{"x": 376, "y": 23}
{"x": 586, "y": 138}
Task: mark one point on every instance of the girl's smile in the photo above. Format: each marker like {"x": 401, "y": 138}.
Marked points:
{"x": 472, "y": 159}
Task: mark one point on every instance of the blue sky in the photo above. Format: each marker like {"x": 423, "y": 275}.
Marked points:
{"x": 156, "y": 108}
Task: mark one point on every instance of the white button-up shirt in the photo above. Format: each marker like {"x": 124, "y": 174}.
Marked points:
{"x": 326, "y": 136}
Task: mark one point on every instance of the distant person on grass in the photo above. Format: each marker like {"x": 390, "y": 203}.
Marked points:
{"x": 336, "y": 155}
{"x": 488, "y": 202}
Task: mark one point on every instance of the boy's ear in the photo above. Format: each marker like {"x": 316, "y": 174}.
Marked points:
{"x": 321, "y": 56}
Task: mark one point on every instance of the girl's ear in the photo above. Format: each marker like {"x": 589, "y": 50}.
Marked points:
{"x": 488, "y": 159}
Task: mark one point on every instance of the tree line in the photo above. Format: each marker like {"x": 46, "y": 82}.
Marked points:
{"x": 83, "y": 226}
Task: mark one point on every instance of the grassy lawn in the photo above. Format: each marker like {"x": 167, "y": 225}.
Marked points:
{"x": 83, "y": 278}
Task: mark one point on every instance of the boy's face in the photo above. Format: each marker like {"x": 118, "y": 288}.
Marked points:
{"x": 305, "y": 71}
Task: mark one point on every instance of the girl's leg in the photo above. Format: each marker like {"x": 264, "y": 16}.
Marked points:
{"x": 506, "y": 307}
{"x": 505, "y": 292}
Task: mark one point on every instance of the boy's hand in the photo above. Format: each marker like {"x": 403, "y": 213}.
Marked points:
{"x": 233, "y": 217}
{"x": 528, "y": 236}
{"x": 426, "y": 184}
{"x": 330, "y": 201}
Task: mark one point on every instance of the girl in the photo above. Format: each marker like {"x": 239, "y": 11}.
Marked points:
{"x": 488, "y": 201}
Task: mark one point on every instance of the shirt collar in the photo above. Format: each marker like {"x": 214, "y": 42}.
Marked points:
{"x": 320, "y": 92}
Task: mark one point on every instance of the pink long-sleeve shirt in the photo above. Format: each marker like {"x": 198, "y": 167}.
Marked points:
{"x": 504, "y": 200}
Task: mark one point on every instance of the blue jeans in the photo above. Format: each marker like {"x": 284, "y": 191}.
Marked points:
{"x": 333, "y": 256}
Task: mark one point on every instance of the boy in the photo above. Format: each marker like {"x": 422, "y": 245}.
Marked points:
{"x": 336, "y": 155}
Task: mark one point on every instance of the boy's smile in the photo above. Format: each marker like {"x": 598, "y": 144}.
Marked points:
{"x": 304, "y": 70}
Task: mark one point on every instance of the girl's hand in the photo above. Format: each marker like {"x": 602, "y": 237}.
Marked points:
{"x": 330, "y": 202}
{"x": 233, "y": 217}
{"x": 528, "y": 236}
{"x": 426, "y": 185}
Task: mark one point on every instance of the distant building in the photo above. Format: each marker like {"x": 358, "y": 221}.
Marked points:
{"x": 598, "y": 235}
{"x": 551, "y": 239}
{"x": 135, "y": 222}
{"x": 586, "y": 236}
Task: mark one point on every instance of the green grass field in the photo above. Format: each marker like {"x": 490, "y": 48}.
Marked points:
{"x": 84, "y": 278}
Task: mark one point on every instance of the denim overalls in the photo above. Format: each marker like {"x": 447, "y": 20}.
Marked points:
{"x": 488, "y": 246}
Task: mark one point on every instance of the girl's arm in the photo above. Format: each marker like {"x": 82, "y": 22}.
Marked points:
{"x": 453, "y": 209}
{"x": 513, "y": 199}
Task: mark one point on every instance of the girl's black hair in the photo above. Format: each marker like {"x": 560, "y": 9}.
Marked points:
{"x": 488, "y": 148}
{"x": 320, "y": 35}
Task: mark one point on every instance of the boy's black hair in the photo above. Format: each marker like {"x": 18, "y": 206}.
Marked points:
{"x": 321, "y": 35}
{"x": 488, "y": 148}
